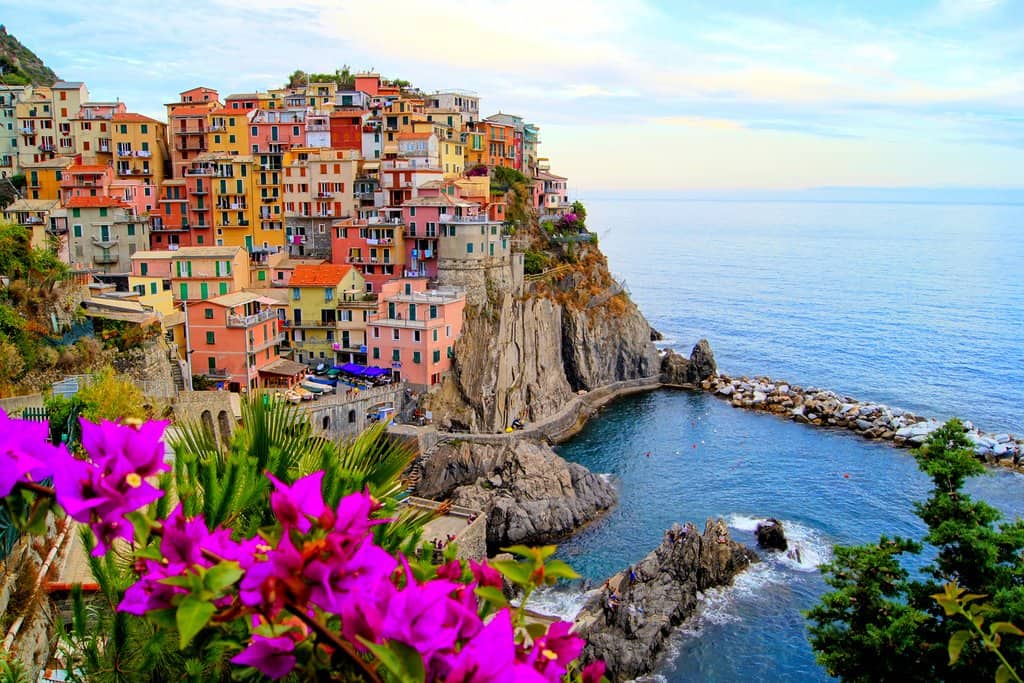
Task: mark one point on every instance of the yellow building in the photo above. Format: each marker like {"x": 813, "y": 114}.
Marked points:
{"x": 321, "y": 320}
{"x": 42, "y": 178}
{"x": 68, "y": 98}
{"x": 153, "y": 292}
{"x": 140, "y": 148}
{"x": 228, "y": 130}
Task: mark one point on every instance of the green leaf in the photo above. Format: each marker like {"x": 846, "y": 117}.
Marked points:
{"x": 1004, "y": 627}
{"x": 560, "y": 570}
{"x": 222, "y": 575}
{"x": 1003, "y": 674}
{"x": 193, "y": 614}
{"x": 956, "y": 644}
{"x": 515, "y": 572}
{"x": 491, "y": 595}
{"x": 400, "y": 659}
{"x": 536, "y": 629}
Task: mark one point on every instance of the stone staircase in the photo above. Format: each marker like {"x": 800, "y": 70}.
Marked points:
{"x": 178, "y": 376}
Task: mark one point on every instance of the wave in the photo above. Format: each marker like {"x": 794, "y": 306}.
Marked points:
{"x": 808, "y": 547}
{"x": 563, "y": 601}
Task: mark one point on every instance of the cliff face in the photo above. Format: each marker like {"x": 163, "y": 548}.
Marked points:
{"x": 528, "y": 493}
{"x": 19, "y": 65}
{"x": 524, "y": 355}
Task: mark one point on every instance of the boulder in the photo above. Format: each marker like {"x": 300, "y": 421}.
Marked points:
{"x": 702, "y": 360}
{"x": 529, "y": 494}
{"x": 771, "y": 535}
{"x": 660, "y": 593}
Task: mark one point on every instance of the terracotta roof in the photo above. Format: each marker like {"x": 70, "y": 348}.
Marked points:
{"x": 93, "y": 202}
{"x": 191, "y": 110}
{"x": 129, "y": 117}
{"x": 326, "y": 275}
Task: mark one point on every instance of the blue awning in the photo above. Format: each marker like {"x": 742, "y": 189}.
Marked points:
{"x": 374, "y": 371}
{"x": 353, "y": 368}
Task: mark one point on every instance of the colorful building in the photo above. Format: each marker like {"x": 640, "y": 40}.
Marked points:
{"x": 188, "y": 125}
{"x": 10, "y": 134}
{"x": 414, "y": 330}
{"x": 85, "y": 180}
{"x": 46, "y": 221}
{"x": 550, "y": 194}
{"x": 105, "y": 233}
{"x": 324, "y": 312}
{"x": 43, "y": 178}
{"x": 93, "y": 130}
{"x": 197, "y": 273}
{"x": 228, "y": 130}
{"x": 375, "y": 247}
{"x": 169, "y": 223}
{"x": 232, "y": 337}
{"x": 318, "y": 189}
{"x": 140, "y": 150}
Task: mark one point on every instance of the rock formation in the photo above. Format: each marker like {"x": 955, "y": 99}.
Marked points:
{"x": 809, "y": 405}
{"x": 771, "y": 535}
{"x": 656, "y": 595}
{"x": 524, "y": 354}
{"x": 529, "y": 494}
{"x": 676, "y": 369}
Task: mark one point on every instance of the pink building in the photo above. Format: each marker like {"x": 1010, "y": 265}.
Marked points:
{"x": 273, "y": 131}
{"x": 422, "y": 217}
{"x": 232, "y": 337}
{"x": 85, "y": 180}
{"x": 415, "y": 330}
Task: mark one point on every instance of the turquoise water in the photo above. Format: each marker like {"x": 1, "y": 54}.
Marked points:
{"x": 914, "y": 305}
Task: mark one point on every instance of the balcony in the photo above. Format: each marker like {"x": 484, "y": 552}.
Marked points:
{"x": 449, "y": 218}
{"x": 317, "y": 128}
{"x": 199, "y": 190}
{"x": 217, "y": 373}
{"x": 198, "y": 171}
{"x": 324, "y": 195}
{"x": 104, "y": 244}
{"x": 314, "y": 324}
{"x": 143, "y": 153}
{"x": 218, "y": 128}
{"x": 269, "y": 200}
{"x": 272, "y": 340}
{"x": 28, "y": 130}
{"x": 250, "y": 320}
{"x": 32, "y": 220}
{"x": 122, "y": 152}
{"x": 105, "y": 259}
{"x": 46, "y": 147}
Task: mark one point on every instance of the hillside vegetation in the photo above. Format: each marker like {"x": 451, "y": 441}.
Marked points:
{"x": 19, "y": 65}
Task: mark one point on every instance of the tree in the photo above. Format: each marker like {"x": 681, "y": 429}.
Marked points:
{"x": 880, "y": 624}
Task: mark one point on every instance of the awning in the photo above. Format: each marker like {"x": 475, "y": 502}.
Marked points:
{"x": 353, "y": 368}
{"x": 374, "y": 371}
{"x": 283, "y": 367}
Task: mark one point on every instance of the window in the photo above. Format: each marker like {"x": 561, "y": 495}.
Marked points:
{"x": 448, "y": 331}
{"x": 395, "y": 334}
{"x": 261, "y": 275}
{"x": 78, "y": 229}
{"x": 328, "y": 294}
{"x": 416, "y": 357}
{"x": 396, "y": 356}
{"x": 435, "y": 334}
{"x": 469, "y": 247}
{"x": 376, "y": 352}
{"x": 183, "y": 291}
{"x": 437, "y": 356}
{"x": 131, "y": 230}
{"x": 376, "y": 333}
{"x": 415, "y": 335}
{"x": 412, "y": 210}
{"x": 152, "y": 288}
{"x": 76, "y": 213}
{"x": 223, "y": 288}
{"x": 103, "y": 211}
{"x": 145, "y": 130}
{"x": 433, "y": 311}
{"x": 208, "y": 313}
{"x": 211, "y": 338}
{"x": 296, "y": 293}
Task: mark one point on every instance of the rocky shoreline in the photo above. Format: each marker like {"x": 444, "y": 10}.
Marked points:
{"x": 876, "y": 421}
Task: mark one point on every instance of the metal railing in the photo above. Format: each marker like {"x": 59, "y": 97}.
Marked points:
{"x": 250, "y": 320}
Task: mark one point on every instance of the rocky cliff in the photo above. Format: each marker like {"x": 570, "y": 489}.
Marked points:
{"x": 523, "y": 355}
{"x": 529, "y": 494}
{"x": 627, "y": 622}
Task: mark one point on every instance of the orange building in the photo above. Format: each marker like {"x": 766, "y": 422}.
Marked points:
{"x": 232, "y": 337}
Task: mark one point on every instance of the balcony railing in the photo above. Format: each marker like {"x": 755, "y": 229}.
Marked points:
{"x": 198, "y": 171}
{"x": 324, "y": 195}
{"x": 217, "y": 373}
{"x": 46, "y": 147}
{"x": 450, "y": 218}
{"x": 250, "y": 320}
{"x": 105, "y": 259}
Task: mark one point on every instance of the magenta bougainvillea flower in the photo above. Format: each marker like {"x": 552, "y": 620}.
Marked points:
{"x": 485, "y": 574}
{"x": 100, "y": 491}
{"x": 272, "y": 656}
{"x": 25, "y": 452}
{"x": 294, "y": 505}
{"x": 490, "y": 656}
{"x": 552, "y": 652}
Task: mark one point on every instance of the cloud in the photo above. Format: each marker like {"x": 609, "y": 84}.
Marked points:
{"x": 956, "y": 10}
{"x": 697, "y": 122}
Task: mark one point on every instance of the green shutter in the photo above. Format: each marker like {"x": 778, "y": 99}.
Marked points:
{"x": 204, "y": 291}
{"x": 415, "y": 356}
{"x": 144, "y": 269}
{"x": 211, "y": 338}
{"x": 184, "y": 291}
{"x": 223, "y": 288}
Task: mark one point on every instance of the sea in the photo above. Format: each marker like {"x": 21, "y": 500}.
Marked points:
{"x": 916, "y": 303}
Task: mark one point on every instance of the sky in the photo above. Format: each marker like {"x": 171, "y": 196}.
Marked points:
{"x": 629, "y": 95}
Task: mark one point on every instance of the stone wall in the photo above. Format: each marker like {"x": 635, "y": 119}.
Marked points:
{"x": 218, "y": 411}
{"x": 149, "y": 368}
{"x": 342, "y": 415}
{"x": 15, "y": 404}
{"x": 481, "y": 278}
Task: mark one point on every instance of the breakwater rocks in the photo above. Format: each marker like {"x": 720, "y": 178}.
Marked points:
{"x": 810, "y": 405}
{"x": 678, "y": 370}
{"x": 529, "y": 494}
{"x": 627, "y": 622}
